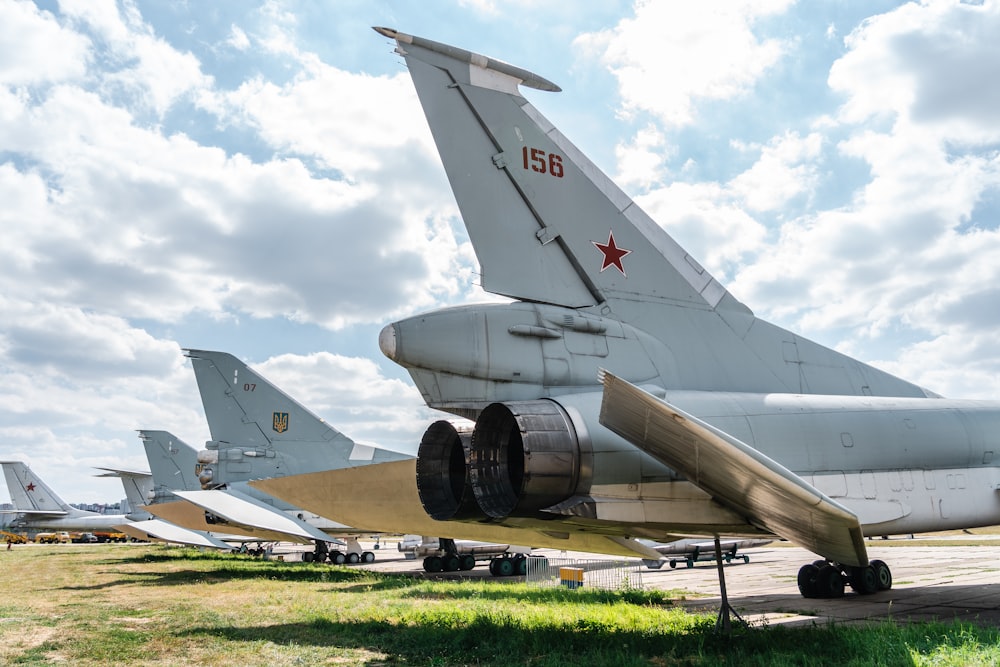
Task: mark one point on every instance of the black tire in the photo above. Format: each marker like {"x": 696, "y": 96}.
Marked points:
{"x": 468, "y": 562}
{"x": 864, "y": 580}
{"x": 450, "y": 563}
{"x": 367, "y": 557}
{"x": 521, "y": 566}
{"x": 353, "y": 558}
{"x": 807, "y": 580}
{"x": 433, "y": 564}
{"x": 337, "y": 558}
{"x": 493, "y": 567}
{"x": 505, "y": 567}
{"x": 829, "y": 582}
{"x": 883, "y": 574}
{"x": 307, "y": 557}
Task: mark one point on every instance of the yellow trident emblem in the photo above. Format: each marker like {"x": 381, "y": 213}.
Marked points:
{"x": 280, "y": 423}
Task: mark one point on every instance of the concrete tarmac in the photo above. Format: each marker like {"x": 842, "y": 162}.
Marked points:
{"x": 932, "y": 580}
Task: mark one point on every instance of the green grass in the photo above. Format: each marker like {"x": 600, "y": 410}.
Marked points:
{"x": 134, "y": 605}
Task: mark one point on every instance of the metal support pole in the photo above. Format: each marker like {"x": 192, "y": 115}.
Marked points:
{"x": 723, "y": 622}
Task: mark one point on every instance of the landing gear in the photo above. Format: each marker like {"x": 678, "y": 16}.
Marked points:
{"x": 506, "y": 566}
{"x": 827, "y": 580}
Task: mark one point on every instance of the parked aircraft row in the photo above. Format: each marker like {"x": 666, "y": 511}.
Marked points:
{"x": 622, "y": 395}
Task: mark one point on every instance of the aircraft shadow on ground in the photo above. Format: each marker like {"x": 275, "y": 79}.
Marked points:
{"x": 492, "y": 641}
{"x": 977, "y": 604}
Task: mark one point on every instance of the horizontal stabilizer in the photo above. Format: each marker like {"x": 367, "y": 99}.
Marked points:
{"x": 383, "y": 498}
{"x": 239, "y": 510}
{"x": 735, "y": 474}
{"x": 155, "y": 529}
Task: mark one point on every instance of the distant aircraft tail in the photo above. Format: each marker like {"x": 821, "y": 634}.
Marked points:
{"x": 264, "y": 431}
{"x": 29, "y": 494}
{"x": 172, "y": 463}
{"x": 138, "y": 489}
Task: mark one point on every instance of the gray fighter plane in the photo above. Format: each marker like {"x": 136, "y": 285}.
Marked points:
{"x": 172, "y": 467}
{"x": 705, "y": 420}
{"x": 260, "y": 431}
{"x": 39, "y": 508}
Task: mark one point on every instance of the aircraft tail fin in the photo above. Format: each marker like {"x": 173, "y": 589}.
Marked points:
{"x": 546, "y": 224}
{"x": 138, "y": 487}
{"x": 245, "y": 411}
{"x": 30, "y": 494}
{"x": 172, "y": 463}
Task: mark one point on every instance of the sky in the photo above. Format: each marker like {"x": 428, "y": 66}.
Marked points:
{"x": 257, "y": 177}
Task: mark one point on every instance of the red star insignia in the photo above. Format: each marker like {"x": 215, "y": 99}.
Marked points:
{"x": 31, "y": 486}
{"x": 612, "y": 253}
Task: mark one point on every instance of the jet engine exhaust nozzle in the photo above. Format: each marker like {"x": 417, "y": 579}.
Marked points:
{"x": 525, "y": 457}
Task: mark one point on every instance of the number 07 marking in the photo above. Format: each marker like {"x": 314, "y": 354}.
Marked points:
{"x": 541, "y": 162}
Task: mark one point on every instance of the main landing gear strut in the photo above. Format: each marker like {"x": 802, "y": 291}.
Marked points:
{"x": 823, "y": 579}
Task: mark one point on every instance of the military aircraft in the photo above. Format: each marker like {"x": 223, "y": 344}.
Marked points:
{"x": 260, "y": 431}
{"x": 691, "y": 550}
{"x": 138, "y": 487}
{"x": 705, "y": 420}
{"x": 40, "y": 508}
{"x": 172, "y": 467}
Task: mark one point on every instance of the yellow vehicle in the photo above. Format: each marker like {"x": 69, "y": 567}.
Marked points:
{"x": 13, "y": 538}
{"x": 61, "y": 537}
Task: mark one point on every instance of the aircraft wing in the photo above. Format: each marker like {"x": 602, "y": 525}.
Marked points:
{"x": 737, "y": 475}
{"x": 155, "y": 529}
{"x": 241, "y": 511}
{"x": 383, "y": 498}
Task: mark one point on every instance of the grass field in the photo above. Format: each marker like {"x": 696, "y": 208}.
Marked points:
{"x": 153, "y": 605}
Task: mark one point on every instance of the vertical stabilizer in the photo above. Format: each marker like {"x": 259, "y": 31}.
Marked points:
{"x": 549, "y": 227}
{"x": 30, "y": 494}
{"x": 138, "y": 489}
{"x": 260, "y": 431}
{"x": 172, "y": 463}
{"x": 526, "y": 191}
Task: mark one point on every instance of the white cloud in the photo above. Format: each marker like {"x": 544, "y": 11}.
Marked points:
{"x": 670, "y": 56}
{"x": 36, "y": 49}
{"x": 786, "y": 169}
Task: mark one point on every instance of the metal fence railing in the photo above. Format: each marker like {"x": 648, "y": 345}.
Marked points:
{"x": 575, "y": 573}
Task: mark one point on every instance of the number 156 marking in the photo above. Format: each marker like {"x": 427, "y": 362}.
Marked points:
{"x": 537, "y": 160}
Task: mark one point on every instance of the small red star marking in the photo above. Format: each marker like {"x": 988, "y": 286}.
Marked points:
{"x": 612, "y": 253}
{"x": 31, "y": 486}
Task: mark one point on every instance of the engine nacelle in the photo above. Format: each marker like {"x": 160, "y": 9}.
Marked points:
{"x": 443, "y": 473}
{"x": 525, "y": 456}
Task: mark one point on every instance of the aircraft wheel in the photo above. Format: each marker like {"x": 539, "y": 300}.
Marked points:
{"x": 883, "y": 574}
{"x": 673, "y": 564}
{"x": 451, "y": 563}
{"x": 353, "y": 558}
{"x": 367, "y": 557}
{"x": 807, "y": 580}
{"x": 864, "y": 580}
{"x": 307, "y": 557}
{"x": 337, "y": 558}
{"x": 506, "y": 567}
{"x": 690, "y": 563}
{"x": 468, "y": 562}
{"x": 432, "y": 564}
{"x": 746, "y": 559}
{"x": 829, "y": 582}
